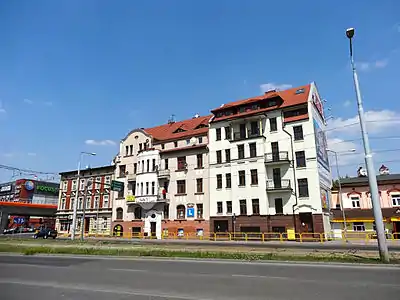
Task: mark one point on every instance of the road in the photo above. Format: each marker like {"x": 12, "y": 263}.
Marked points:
{"x": 90, "y": 278}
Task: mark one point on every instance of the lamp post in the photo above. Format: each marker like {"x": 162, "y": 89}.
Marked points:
{"x": 89, "y": 183}
{"x": 373, "y": 185}
{"x": 74, "y": 217}
{"x": 340, "y": 191}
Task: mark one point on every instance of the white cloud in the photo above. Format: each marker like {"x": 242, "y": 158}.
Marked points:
{"x": 31, "y": 154}
{"x": 48, "y": 103}
{"x": 274, "y": 86}
{"x": 345, "y": 152}
{"x": 347, "y": 103}
{"x": 100, "y": 142}
{"x": 368, "y": 66}
{"x": 8, "y": 155}
{"x": 377, "y": 121}
{"x": 28, "y": 101}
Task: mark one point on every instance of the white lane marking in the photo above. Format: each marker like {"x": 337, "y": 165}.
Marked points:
{"x": 314, "y": 281}
{"x": 33, "y": 266}
{"x": 91, "y": 288}
{"x": 128, "y": 270}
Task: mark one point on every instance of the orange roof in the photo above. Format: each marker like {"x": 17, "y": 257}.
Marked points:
{"x": 179, "y": 130}
{"x": 289, "y": 98}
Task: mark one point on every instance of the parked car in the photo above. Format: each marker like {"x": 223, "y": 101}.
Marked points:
{"x": 45, "y": 233}
{"x": 14, "y": 230}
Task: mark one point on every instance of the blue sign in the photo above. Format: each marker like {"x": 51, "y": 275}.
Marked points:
{"x": 29, "y": 186}
{"x": 19, "y": 220}
{"x": 190, "y": 212}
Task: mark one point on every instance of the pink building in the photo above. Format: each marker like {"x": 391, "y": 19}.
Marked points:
{"x": 357, "y": 204}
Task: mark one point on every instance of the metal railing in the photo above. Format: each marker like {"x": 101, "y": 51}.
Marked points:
{"x": 163, "y": 172}
{"x": 248, "y": 134}
{"x": 281, "y": 156}
{"x": 283, "y": 184}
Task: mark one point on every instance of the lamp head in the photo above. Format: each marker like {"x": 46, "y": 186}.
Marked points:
{"x": 350, "y": 33}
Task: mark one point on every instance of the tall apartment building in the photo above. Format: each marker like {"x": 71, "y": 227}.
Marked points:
{"x": 269, "y": 168}
{"x": 165, "y": 174}
{"x": 93, "y": 193}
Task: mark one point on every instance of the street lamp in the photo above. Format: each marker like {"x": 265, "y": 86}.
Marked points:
{"x": 373, "y": 185}
{"x": 74, "y": 217}
{"x": 340, "y": 190}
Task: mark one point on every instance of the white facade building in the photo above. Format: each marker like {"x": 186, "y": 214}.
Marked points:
{"x": 268, "y": 164}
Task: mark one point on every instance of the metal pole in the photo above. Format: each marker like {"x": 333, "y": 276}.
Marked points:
{"x": 84, "y": 211}
{"x": 340, "y": 198}
{"x": 74, "y": 217}
{"x": 373, "y": 185}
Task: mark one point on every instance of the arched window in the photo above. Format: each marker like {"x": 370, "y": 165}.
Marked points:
{"x": 138, "y": 212}
{"x": 180, "y": 212}
{"x": 120, "y": 213}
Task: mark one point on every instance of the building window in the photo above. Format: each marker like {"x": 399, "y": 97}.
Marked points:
{"x": 131, "y": 149}
{"x": 243, "y": 207}
{"x": 219, "y": 181}
{"x": 88, "y": 202}
{"x": 106, "y": 201}
{"x": 148, "y": 165}
{"x": 187, "y": 141}
{"x": 200, "y": 139}
{"x": 98, "y": 183}
{"x": 126, "y": 150}
{"x": 242, "y": 178}
{"x": 73, "y": 185}
{"x": 278, "y": 206}
{"x": 140, "y": 147}
{"x": 166, "y": 211}
{"x": 80, "y": 203}
{"x": 255, "y": 204}
{"x": 254, "y": 177}
{"x": 219, "y": 157}
{"x": 154, "y": 165}
{"x": 199, "y": 208}
{"x": 240, "y": 151}
{"x": 153, "y": 188}
{"x": 199, "y": 161}
{"x": 303, "y": 187}
{"x": 138, "y": 213}
{"x": 182, "y": 163}
{"x": 253, "y": 149}
{"x": 355, "y": 202}
{"x": 62, "y": 205}
{"x": 228, "y": 207}
{"x": 120, "y": 213}
{"x": 81, "y": 184}
{"x": 254, "y": 130}
{"x": 228, "y": 179}
{"x": 71, "y": 204}
{"x": 298, "y": 133}
{"x": 65, "y": 185}
{"x": 228, "y": 135}
{"x": 358, "y": 226}
{"x": 273, "y": 126}
{"x": 147, "y": 188}
{"x": 396, "y": 199}
{"x": 227, "y": 155}
{"x": 219, "y": 207}
{"x": 166, "y": 164}
{"x": 218, "y": 134}
{"x": 96, "y": 202}
{"x": 141, "y": 189}
{"x": 163, "y": 146}
{"x": 107, "y": 180}
{"x": 180, "y": 212}
{"x": 176, "y": 144}
{"x": 181, "y": 186}
{"x": 199, "y": 185}
{"x": 122, "y": 170}
{"x": 300, "y": 159}
{"x": 134, "y": 168}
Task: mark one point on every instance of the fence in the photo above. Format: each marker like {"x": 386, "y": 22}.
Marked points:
{"x": 355, "y": 237}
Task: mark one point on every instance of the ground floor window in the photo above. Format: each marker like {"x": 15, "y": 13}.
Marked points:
{"x": 358, "y": 226}
{"x": 65, "y": 225}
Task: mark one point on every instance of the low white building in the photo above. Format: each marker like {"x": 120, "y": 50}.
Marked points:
{"x": 269, "y": 169}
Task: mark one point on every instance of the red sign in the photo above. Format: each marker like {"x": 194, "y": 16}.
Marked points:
{"x": 318, "y": 105}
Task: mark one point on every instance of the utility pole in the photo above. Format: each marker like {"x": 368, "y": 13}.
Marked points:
{"x": 373, "y": 184}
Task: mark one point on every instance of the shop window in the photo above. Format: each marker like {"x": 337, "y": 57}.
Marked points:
{"x": 355, "y": 202}
{"x": 180, "y": 212}
{"x": 358, "y": 226}
{"x": 120, "y": 213}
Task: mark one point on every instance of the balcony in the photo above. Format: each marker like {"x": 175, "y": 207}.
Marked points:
{"x": 278, "y": 186}
{"x": 275, "y": 158}
{"x": 163, "y": 173}
{"x": 131, "y": 176}
{"x": 243, "y": 135}
{"x": 131, "y": 199}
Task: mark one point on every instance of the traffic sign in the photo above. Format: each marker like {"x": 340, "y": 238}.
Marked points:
{"x": 117, "y": 186}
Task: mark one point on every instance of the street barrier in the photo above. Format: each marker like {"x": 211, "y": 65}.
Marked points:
{"x": 352, "y": 237}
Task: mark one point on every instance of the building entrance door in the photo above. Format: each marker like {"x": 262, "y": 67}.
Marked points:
{"x": 153, "y": 229}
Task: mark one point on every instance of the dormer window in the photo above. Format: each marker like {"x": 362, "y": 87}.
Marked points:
{"x": 201, "y": 126}
{"x": 179, "y": 130}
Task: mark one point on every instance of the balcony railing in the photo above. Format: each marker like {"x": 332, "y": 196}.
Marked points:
{"x": 277, "y": 157}
{"x": 283, "y": 184}
{"x": 248, "y": 134}
{"x": 163, "y": 172}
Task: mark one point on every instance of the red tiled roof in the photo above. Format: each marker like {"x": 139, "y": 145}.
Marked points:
{"x": 288, "y": 97}
{"x": 191, "y": 128}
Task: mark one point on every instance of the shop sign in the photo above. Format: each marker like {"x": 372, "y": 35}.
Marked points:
{"x": 5, "y": 188}
{"x": 130, "y": 198}
{"x": 47, "y": 189}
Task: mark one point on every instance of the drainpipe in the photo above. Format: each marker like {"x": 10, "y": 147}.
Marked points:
{"x": 294, "y": 173}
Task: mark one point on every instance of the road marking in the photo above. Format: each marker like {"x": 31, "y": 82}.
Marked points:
{"x": 128, "y": 270}
{"x": 91, "y": 288}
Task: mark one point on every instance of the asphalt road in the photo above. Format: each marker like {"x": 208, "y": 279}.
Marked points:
{"x": 90, "y": 278}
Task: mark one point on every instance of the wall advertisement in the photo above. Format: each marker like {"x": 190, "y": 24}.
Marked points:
{"x": 324, "y": 173}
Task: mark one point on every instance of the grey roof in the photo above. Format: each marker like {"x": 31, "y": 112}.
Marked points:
{"x": 364, "y": 180}
{"x": 108, "y": 168}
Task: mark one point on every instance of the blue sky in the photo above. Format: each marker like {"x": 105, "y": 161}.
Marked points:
{"x": 72, "y": 71}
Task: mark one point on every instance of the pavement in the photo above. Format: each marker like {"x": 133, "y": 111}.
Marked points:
{"x": 104, "y": 278}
